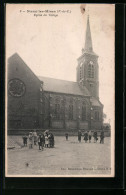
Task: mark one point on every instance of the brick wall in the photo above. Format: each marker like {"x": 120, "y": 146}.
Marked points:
{"x": 23, "y": 111}
{"x": 28, "y": 111}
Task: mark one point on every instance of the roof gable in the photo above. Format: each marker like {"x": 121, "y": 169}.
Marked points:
{"x": 15, "y": 59}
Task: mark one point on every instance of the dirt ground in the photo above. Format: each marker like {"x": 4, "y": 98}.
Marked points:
{"x": 66, "y": 158}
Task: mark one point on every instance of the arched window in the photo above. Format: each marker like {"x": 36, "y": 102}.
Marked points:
{"x": 91, "y": 70}
{"x": 84, "y": 110}
{"x": 97, "y": 115}
{"x": 80, "y": 73}
{"x": 70, "y": 112}
{"x": 62, "y": 109}
{"x": 57, "y": 111}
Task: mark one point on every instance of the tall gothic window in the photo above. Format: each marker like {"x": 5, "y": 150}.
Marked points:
{"x": 57, "y": 111}
{"x": 97, "y": 115}
{"x": 83, "y": 111}
{"x": 80, "y": 73}
{"x": 70, "y": 112}
{"x": 62, "y": 109}
{"x": 91, "y": 70}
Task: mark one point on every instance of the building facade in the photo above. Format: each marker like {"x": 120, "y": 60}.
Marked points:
{"x": 46, "y": 103}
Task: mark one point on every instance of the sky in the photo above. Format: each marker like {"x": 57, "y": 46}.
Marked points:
{"x": 51, "y": 44}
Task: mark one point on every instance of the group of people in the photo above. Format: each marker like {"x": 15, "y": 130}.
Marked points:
{"x": 42, "y": 140}
{"x": 46, "y": 139}
{"x": 89, "y": 134}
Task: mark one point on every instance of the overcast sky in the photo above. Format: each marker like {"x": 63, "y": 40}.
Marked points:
{"x": 50, "y": 45}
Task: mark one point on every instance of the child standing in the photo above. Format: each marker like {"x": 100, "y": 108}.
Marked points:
{"x": 46, "y": 141}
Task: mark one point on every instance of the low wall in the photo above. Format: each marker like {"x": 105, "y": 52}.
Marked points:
{"x": 57, "y": 124}
{"x": 84, "y": 125}
{"x": 71, "y": 125}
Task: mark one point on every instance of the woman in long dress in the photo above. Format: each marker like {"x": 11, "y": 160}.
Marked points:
{"x": 89, "y": 136}
{"x": 30, "y": 139}
{"x": 86, "y": 136}
{"x": 35, "y": 137}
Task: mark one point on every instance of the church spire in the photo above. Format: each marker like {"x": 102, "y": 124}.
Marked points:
{"x": 88, "y": 39}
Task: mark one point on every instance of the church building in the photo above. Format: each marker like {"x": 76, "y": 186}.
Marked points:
{"x": 46, "y": 103}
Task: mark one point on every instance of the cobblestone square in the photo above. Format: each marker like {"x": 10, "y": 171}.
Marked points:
{"x": 66, "y": 158}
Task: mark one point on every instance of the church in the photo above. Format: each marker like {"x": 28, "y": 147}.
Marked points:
{"x": 47, "y": 103}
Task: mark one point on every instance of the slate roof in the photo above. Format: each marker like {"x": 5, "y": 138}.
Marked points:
{"x": 62, "y": 86}
{"x": 95, "y": 102}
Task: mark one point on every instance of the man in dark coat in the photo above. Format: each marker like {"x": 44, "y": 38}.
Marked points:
{"x": 25, "y": 140}
{"x": 95, "y": 136}
{"x": 102, "y": 137}
{"x": 41, "y": 141}
{"x": 79, "y": 136}
{"x": 86, "y": 136}
{"x": 51, "y": 140}
{"x": 66, "y": 135}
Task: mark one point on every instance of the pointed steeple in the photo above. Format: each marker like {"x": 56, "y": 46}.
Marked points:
{"x": 88, "y": 39}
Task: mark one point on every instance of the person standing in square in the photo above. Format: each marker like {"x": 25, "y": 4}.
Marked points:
{"x": 79, "y": 136}
{"x": 89, "y": 136}
{"x": 66, "y": 135}
{"x": 46, "y": 141}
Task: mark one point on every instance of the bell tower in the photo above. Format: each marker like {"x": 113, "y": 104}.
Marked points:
{"x": 87, "y": 69}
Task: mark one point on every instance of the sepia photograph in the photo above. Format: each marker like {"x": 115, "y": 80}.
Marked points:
{"x": 60, "y": 90}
